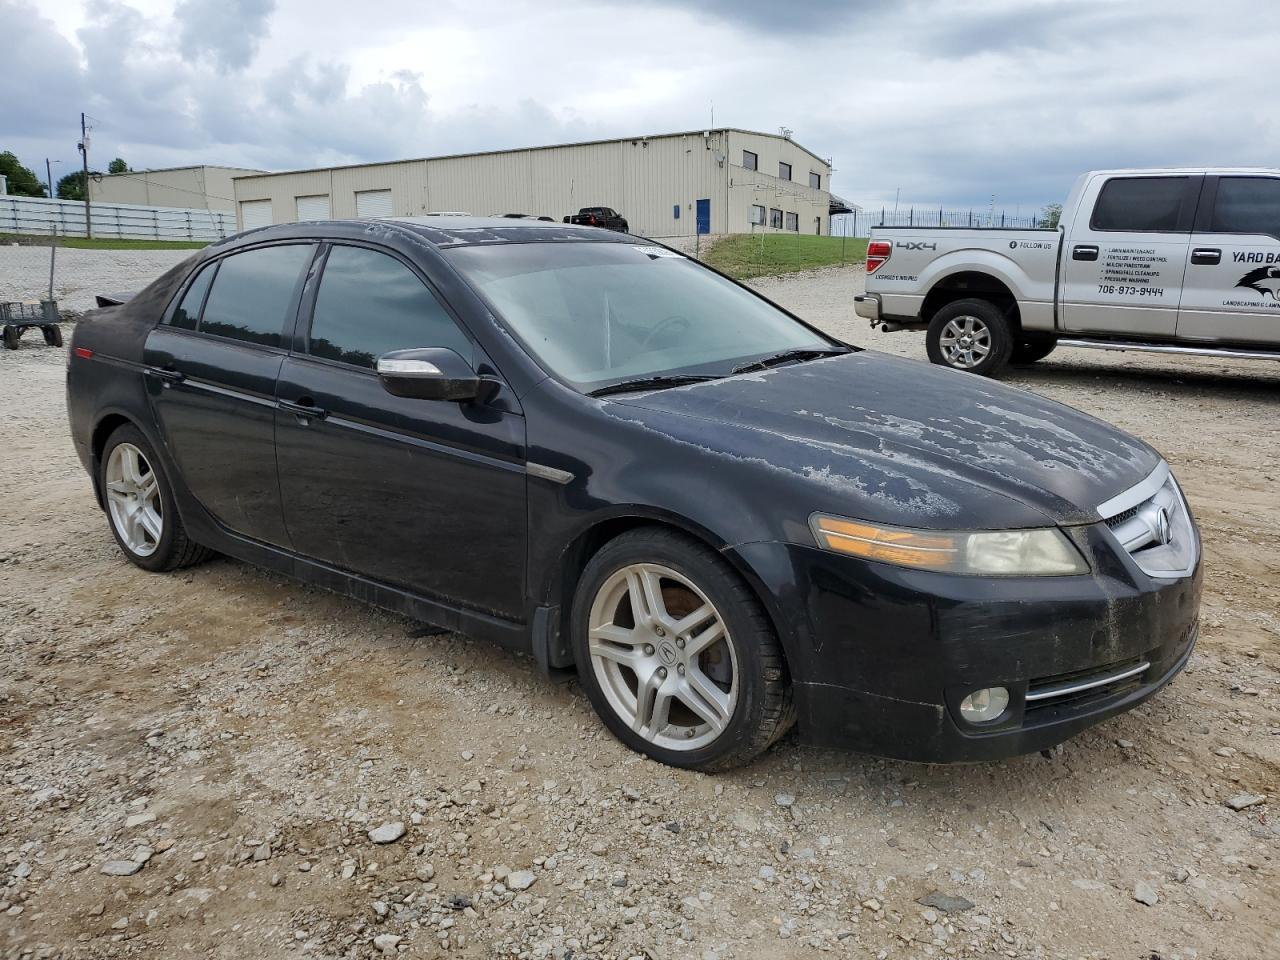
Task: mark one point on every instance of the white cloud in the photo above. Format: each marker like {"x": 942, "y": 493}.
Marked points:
{"x": 948, "y": 102}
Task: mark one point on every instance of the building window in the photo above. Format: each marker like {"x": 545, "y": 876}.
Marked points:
{"x": 793, "y": 221}
{"x": 757, "y": 214}
{"x": 775, "y": 218}
{"x": 784, "y": 171}
{"x": 750, "y": 160}
{"x": 815, "y": 181}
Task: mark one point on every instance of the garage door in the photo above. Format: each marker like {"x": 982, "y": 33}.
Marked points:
{"x": 255, "y": 213}
{"x": 314, "y": 208}
{"x": 373, "y": 203}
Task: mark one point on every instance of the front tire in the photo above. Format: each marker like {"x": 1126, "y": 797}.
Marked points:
{"x": 676, "y": 654}
{"x": 140, "y": 506}
{"x": 970, "y": 335}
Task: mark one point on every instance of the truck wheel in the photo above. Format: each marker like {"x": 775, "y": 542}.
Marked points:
{"x": 970, "y": 335}
{"x": 1030, "y": 350}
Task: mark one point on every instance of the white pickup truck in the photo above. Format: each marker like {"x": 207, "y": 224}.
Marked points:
{"x": 1171, "y": 261}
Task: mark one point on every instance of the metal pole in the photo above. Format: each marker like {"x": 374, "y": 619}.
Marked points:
{"x": 48, "y": 175}
{"x": 53, "y": 254}
{"x": 84, "y": 155}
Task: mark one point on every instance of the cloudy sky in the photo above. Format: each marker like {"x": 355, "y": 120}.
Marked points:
{"x": 947, "y": 101}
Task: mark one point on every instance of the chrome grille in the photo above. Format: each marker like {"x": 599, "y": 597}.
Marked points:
{"x": 1081, "y": 686}
{"x": 1150, "y": 521}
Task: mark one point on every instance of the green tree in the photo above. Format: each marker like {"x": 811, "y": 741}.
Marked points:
{"x": 71, "y": 187}
{"x": 21, "y": 181}
{"x": 117, "y": 166}
{"x": 1050, "y": 215}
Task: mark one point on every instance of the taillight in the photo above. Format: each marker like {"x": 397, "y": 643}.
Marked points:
{"x": 84, "y": 353}
{"x": 878, "y": 252}
{"x": 593, "y": 221}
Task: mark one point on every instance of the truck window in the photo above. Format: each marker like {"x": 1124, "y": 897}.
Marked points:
{"x": 1143, "y": 205}
{"x": 1247, "y": 205}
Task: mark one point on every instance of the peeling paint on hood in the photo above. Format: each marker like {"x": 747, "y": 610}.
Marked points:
{"x": 908, "y": 442}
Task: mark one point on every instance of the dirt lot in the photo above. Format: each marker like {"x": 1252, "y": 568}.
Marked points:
{"x": 239, "y": 736}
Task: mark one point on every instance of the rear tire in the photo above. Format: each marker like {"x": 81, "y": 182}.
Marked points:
{"x": 12, "y": 335}
{"x": 52, "y": 334}
{"x": 1031, "y": 349}
{"x": 140, "y": 506}
{"x": 970, "y": 335}
{"x": 693, "y": 676}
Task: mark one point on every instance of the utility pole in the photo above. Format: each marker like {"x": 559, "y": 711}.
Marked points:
{"x": 48, "y": 175}
{"x": 83, "y": 146}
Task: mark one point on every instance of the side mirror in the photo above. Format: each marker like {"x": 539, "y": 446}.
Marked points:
{"x": 429, "y": 373}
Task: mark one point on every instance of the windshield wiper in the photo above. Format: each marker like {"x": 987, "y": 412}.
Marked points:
{"x": 789, "y": 356}
{"x": 651, "y": 383}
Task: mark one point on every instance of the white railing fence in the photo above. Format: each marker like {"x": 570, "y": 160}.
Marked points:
{"x": 116, "y": 221}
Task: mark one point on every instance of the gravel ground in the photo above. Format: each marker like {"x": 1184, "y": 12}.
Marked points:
{"x": 79, "y": 274}
{"x": 209, "y": 762}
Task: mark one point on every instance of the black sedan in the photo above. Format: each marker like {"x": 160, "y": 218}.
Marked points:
{"x": 597, "y": 451}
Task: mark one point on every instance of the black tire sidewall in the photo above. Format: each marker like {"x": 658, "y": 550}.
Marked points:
{"x": 11, "y": 336}
{"x": 996, "y": 322}
{"x": 52, "y": 334}
{"x": 717, "y": 581}
{"x": 162, "y": 557}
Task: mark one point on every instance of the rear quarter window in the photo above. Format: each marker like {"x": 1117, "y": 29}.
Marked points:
{"x": 187, "y": 316}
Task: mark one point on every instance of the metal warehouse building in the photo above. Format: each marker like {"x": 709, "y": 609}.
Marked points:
{"x": 666, "y": 185}
{"x": 202, "y": 187}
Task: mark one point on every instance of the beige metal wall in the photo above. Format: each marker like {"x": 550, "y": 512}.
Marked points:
{"x": 201, "y": 188}
{"x": 645, "y": 179}
{"x": 763, "y": 186}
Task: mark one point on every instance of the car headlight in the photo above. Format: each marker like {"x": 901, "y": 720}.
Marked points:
{"x": 994, "y": 553}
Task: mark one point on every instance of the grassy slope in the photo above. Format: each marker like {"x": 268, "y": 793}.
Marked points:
{"x": 745, "y": 255}
{"x": 81, "y": 243}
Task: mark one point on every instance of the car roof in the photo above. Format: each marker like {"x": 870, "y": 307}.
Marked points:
{"x": 441, "y": 232}
{"x": 461, "y": 231}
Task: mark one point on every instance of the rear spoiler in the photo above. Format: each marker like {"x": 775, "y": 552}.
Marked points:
{"x": 114, "y": 299}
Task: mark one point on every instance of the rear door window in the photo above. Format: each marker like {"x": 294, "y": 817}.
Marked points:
{"x": 1144, "y": 205}
{"x": 1247, "y": 205}
{"x": 370, "y": 303}
{"x": 254, "y": 292}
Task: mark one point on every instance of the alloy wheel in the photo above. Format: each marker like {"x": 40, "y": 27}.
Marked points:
{"x": 965, "y": 342}
{"x": 663, "y": 656}
{"x": 133, "y": 499}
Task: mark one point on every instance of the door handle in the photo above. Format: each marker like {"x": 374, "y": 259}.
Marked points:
{"x": 1084, "y": 252}
{"x": 1206, "y": 255}
{"x": 165, "y": 376}
{"x": 304, "y": 410}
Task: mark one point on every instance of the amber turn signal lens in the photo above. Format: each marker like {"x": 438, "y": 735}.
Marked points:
{"x": 906, "y": 548}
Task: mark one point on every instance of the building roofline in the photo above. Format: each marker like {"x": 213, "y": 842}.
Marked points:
{"x": 191, "y": 166}
{"x": 546, "y": 146}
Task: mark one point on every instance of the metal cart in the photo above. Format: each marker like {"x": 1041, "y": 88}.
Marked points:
{"x": 17, "y": 318}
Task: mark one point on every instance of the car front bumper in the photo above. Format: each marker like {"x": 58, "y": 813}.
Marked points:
{"x": 881, "y": 656}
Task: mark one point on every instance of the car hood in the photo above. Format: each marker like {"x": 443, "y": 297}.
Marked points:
{"x": 900, "y": 441}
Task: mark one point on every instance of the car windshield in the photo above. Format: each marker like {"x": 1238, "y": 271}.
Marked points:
{"x": 596, "y": 314}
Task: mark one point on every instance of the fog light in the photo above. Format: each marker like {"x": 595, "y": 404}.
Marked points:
{"x": 983, "y": 706}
